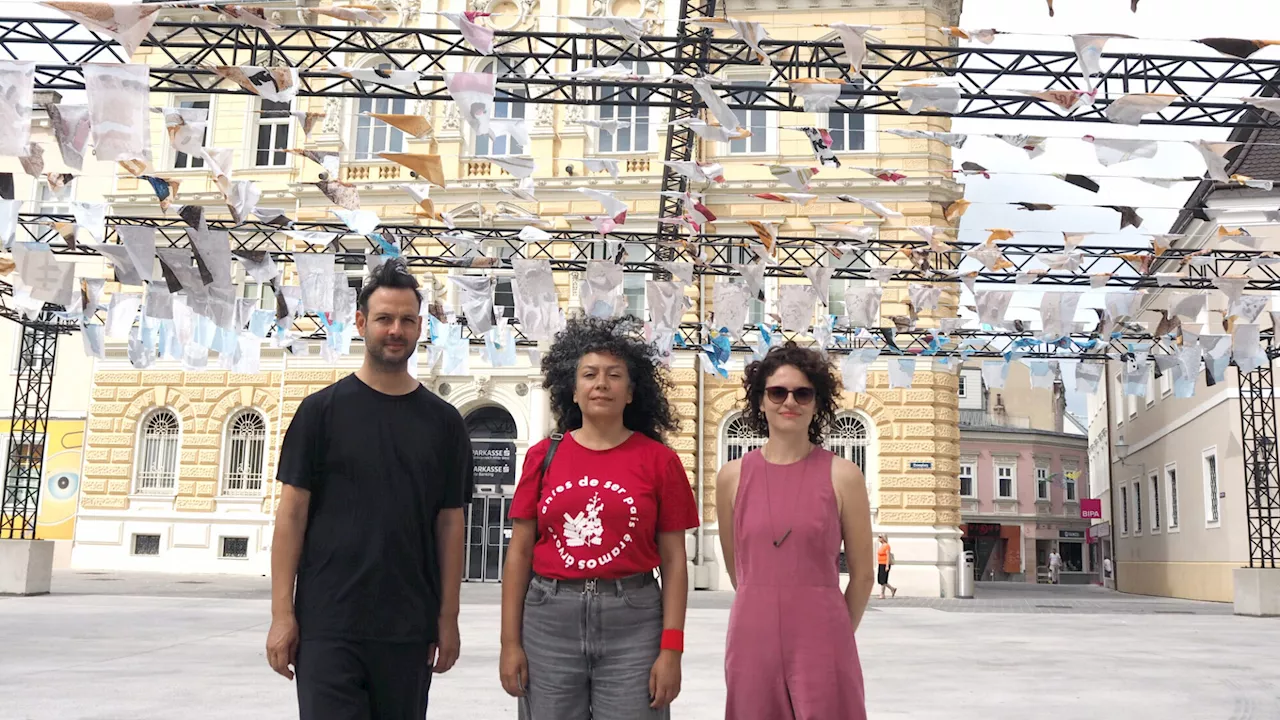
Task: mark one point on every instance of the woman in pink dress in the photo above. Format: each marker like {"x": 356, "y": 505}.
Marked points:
{"x": 784, "y": 510}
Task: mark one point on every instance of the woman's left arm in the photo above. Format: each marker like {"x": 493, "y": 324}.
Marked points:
{"x": 855, "y": 527}
{"x": 664, "y": 678}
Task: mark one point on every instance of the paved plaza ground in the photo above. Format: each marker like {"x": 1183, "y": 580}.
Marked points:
{"x": 110, "y": 646}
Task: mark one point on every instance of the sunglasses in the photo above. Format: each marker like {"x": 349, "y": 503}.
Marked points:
{"x": 778, "y": 394}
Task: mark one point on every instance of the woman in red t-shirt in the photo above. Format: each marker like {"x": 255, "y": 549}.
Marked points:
{"x": 586, "y": 630}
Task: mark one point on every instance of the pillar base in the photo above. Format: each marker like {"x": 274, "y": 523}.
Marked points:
{"x": 26, "y": 567}
{"x": 1257, "y": 591}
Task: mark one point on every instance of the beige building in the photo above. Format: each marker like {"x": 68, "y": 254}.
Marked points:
{"x": 181, "y": 462}
{"x": 1176, "y": 475}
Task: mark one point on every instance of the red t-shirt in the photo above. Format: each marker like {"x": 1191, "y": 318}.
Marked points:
{"x": 599, "y": 512}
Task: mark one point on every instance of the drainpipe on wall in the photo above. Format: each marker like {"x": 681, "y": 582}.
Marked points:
{"x": 271, "y": 515}
{"x": 700, "y": 538}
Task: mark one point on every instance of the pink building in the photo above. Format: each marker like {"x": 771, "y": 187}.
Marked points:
{"x": 1023, "y": 470}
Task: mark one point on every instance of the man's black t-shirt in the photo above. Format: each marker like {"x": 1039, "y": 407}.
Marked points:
{"x": 379, "y": 468}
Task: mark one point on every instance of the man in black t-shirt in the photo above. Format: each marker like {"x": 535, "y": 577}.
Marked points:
{"x": 376, "y": 471}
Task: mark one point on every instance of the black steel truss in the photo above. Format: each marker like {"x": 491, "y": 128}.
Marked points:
{"x": 425, "y": 246}
{"x": 989, "y": 77}
{"x": 1261, "y": 473}
{"x": 20, "y": 500}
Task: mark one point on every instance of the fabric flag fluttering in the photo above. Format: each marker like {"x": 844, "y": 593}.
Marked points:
{"x": 615, "y": 211}
{"x": 720, "y": 110}
{"x": 17, "y": 89}
{"x": 820, "y": 140}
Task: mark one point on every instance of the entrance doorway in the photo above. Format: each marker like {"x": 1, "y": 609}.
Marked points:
{"x": 493, "y": 432}
{"x": 488, "y": 534}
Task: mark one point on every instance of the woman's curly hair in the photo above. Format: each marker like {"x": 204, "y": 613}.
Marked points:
{"x": 815, "y": 367}
{"x": 649, "y": 412}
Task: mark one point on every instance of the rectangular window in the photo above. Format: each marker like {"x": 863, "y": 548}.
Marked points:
{"x": 374, "y": 136}
{"x": 1212, "y": 513}
{"x": 1042, "y": 482}
{"x": 633, "y": 288}
{"x": 1137, "y": 508}
{"x": 1151, "y": 386}
{"x": 274, "y": 124}
{"x": 1166, "y": 383}
{"x": 848, "y": 131}
{"x": 851, "y": 260}
{"x": 756, "y": 120}
{"x": 1124, "y": 510}
{"x": 962, "y": 387}
{"x": 1005, "y": 481}
{"x": 1155, "y": 502}
{"x": 506, "y": 105}
{"x": 1171, "y": 476}
{"x": 181, "y": 160}
{"x": 1069, "y": 483}
{"x": 235, "y": 547}
{"x": 966, "y": 480}
{"x": 53, "y": 202}
{"x": 634, "y": 137}
{"x": 146, "y": 544}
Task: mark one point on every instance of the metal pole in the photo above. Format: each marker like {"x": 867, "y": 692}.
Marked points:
{"x": 699, "y": 553}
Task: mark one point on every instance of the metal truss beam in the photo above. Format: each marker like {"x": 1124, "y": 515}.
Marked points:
{"x": 989, "y": 77}
{"x": 423, "y": 246}
{"x": 1261, "y": 473}
{"x": 20, "y": 499}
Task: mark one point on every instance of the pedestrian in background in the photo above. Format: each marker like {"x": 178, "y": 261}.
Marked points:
{"x": 784, "y": 511}
{"x": 1055, "y": 566}
{"x": 884, "y": 561}
{"x": 587, "y": 631}
{"x": 376, "y": 471}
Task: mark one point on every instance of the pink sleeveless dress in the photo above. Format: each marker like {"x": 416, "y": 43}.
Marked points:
{"x": 790, "y": 653}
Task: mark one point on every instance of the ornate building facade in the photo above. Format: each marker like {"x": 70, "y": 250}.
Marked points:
{"x": 180, "y": 463}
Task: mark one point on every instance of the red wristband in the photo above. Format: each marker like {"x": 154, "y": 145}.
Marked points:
{"x": 673, "y": 640}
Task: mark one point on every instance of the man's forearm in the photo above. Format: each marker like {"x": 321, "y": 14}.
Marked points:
{"x": 450, "y": 534}
{"x": 286, "y": 549}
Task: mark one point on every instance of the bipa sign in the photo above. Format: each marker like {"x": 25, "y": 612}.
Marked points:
{"x": 1091, "y": 509}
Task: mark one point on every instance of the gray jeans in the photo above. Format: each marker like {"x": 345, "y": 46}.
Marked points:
{"x": 590, "y": 653}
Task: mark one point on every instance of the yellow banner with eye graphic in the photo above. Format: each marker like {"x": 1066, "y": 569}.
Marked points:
{"x": 60, "y": 479}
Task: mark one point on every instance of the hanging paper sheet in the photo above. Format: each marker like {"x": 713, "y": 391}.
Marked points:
{"x": 795, "y": 307}
{"x": 994, "y": 373}
{"x": 924, "y": 297}
{"x": 428, "y": 167}
{"x": 631, "y": 28}
{"x": 119, "y": 112}
{"x": 862, "y": 306}
{"x": 820, "y": 277}
{"x": 923, "y": 97}
{"x": 901, "y": 372}
{"x": 476, "y": 293}
{"x": 601, "y": 289}
{"x": 1057, "y": 313}
{"x": 1087, "y": 375}
{"x": 537, "y": 307}
{"x": 853, "y": 369}
{"x": 666, "y": 304}
{"x": 315, "y": 275}
{"x": 127, "y": 24}
{"x": 1129, "y": 109}
{"x": 1042, "y": 374}
{"x": 731, "y": 300}
{"x": 480, "y": 38}
{"x": 717, "y": 106}
{"x": 853, "y": 37}
{"x": 277, "y": 84}
{"x": 48, "y": 279}
{"x": 992, "y": 305}
{"x": 71, "y": 127}
{"x": 473, "y": 93}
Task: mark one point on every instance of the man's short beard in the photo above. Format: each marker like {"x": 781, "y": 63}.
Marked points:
{"x": 380, "y": 357}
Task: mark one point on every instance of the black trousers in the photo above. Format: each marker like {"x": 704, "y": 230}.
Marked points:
{"x": 359, "y": 680}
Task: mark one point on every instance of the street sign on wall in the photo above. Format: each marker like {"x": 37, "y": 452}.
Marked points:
{"x": 493, "y": 462}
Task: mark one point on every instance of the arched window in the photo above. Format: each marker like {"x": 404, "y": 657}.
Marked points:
{"x": 491, "y": 423}
{"x": 848, "y": 439}
{"x": 634, "y": 137}
{"x": 739, "y": 439}
{"x": 158, "y": 454}
{"x": 244, "y": 454}
{"x": 507, "y": 104}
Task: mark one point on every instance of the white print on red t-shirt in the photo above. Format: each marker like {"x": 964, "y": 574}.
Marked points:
{"x": 587, "y": 528}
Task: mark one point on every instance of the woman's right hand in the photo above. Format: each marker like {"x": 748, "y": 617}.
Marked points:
{"x": 513, "y": 668}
